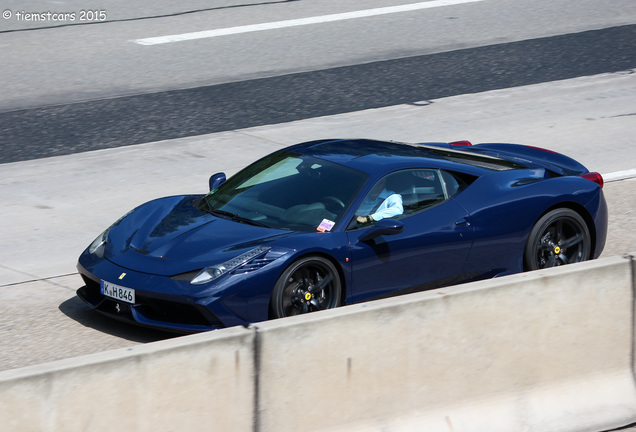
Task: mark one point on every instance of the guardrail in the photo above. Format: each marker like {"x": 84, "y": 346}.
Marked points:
{"x": 550, "y": 350}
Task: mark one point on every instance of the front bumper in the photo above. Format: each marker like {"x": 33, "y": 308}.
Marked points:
{"x": 174, "y": 313}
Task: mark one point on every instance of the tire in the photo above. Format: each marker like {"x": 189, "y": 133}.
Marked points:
{"x": 307, "y": 285}
{"x": 559, "y": 237}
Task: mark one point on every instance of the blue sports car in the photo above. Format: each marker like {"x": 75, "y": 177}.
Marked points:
{"x": 335, "y": 222}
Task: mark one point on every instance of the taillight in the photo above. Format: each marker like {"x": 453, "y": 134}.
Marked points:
{"x": 595, "y": 177}
{"x": 463, "y": 143}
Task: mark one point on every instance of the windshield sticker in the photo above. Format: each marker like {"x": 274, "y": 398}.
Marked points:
{"x": 325, "y": 225}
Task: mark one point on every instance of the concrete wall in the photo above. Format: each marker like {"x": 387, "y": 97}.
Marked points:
{"x": 544, "y": 351}
{"x": 533, "y": 352}
{"x": 200, "y": 382}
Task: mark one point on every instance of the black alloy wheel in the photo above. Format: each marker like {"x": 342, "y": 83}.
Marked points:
{"x": 560, "y": 237}
{"x": 309, "y": 284}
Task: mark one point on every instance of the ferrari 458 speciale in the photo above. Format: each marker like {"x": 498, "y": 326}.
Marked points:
{"x": 335, "y": 222}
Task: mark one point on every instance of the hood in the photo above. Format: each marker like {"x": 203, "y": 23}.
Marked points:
{"x": 171, "y": 235}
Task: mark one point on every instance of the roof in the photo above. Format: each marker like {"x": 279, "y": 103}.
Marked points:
{"x": 373, "y": 156}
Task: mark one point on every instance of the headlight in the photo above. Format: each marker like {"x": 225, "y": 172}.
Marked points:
{"x": 210, "y": 273}
{"x": 99, "y": 242}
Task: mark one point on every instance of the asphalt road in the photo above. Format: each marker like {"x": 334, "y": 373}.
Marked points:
{"x": 56, "y": 62}
{"x": 106, "y": 123}
{"x": 72, "y": 86}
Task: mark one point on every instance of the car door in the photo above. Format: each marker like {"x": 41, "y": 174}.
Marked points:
{"x": 430, "y": 251}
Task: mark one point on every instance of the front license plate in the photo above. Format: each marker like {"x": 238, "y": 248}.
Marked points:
{"x": 117, "y": 292}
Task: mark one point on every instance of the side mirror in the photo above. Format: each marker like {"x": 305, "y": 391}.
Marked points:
{"x": 383, "y": 227}
{"x": 216, "y": 180}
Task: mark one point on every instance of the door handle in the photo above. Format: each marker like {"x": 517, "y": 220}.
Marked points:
{"x": 462, "y": 222}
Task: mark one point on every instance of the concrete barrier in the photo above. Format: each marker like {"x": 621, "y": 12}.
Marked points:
{"x": 550, "y": 350}
{"x": 543, "y": 351}
{"x": 199, "y": 382}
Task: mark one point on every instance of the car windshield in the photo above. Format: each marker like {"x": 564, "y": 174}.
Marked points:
{"x": 287, "y": 191}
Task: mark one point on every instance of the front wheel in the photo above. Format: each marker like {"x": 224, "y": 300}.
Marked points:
{"x": 308, "y": 285}
{"x": 560, "y": 237}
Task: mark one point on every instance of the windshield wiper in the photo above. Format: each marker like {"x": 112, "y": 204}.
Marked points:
{"x": 204, "y": 199}
{"x": 238, "y": 218}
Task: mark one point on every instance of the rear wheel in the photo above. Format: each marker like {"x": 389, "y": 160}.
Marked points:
{"x": 308, "y": 285}
{"x": 560, "y": 237}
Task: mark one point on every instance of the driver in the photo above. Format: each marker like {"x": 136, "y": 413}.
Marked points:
{"x": 380, "y": 203}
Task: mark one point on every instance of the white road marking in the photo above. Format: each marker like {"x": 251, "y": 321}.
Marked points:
{"x": 619, "y": 175}
{"x": 299, "y": 22}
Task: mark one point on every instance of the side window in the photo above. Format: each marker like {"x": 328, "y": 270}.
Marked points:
{"x": 383, "y": 201}
{"x": 401, "y": 193}
{"x": 454, "y": 182}
{"x": 426, "y": 189}
{"x": 406, "y": 192}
